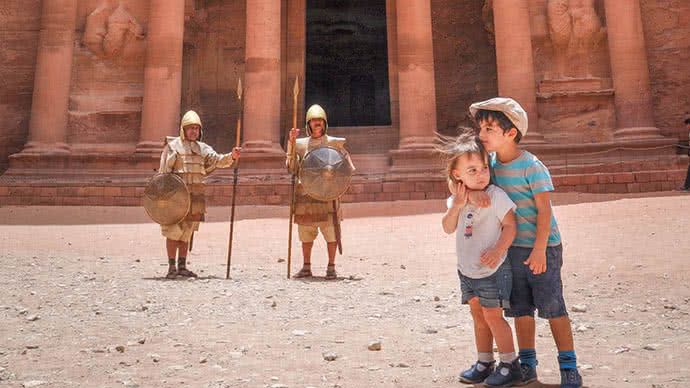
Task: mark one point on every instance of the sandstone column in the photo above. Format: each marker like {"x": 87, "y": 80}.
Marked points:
{"x": 514, "y": 63}
{"x": 262, "y": 102}
{"x": 162, "y": 74}
{"x": 416, "y": 87}
{"x": 48, "y": 123}
{"x": 629, "y": 71}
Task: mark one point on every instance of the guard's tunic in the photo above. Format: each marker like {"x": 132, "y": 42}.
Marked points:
{"x": 191, "y": 161}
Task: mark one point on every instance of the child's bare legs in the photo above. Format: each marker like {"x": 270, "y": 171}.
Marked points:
{"x": 482, "y": 333}
{"x": 562, "y": 333}
{"x": 501, "y": 331}
{"x": 484, "y": 340}
{"x": 525, "y": 329}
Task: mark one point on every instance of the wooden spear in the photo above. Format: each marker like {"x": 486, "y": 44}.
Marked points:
{"x": 238, "y": 136}
{"x": 291, "y": 148}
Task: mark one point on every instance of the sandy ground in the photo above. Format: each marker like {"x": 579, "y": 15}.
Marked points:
{"x": 83, "y": 303}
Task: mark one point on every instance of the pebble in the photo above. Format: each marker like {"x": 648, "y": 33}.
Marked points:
{"x": 203, "y": 360}
{"x": 374, "y": 345}
{"x": 651, "y": 347}
{"x": 33, "y": 317}
{"x": 120, "y": 348}
{"x": 579, "y": 308}
{"x": 431, "y": 331}
{"x": 279, "y": 385}
{"x": 33, "y": 383}
{"x": 329, "y": 356}
{"x": 622, "y": 349}
{"x": 586, "y": 367}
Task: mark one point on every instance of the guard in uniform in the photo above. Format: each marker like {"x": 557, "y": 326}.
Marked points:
{"x": 315, "y": 210}
{"x": 185, "y": 158}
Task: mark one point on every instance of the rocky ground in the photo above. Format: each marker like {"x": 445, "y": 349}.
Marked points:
{"x": 83, "y": 302}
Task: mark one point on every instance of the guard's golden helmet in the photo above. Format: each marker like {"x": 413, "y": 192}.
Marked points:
{"x": 316, "y": 112}
{"x": 190, "y": 118}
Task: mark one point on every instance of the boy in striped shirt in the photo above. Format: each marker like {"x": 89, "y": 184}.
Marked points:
{"x": 536, "y": 254}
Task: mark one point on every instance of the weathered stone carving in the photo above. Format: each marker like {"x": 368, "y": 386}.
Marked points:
{"x": 575, "y": 31}
{"x": 109, "y": 29}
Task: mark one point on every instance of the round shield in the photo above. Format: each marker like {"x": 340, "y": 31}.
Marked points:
{"x": 166, "y": 199}
{"x": 325, "y": 173}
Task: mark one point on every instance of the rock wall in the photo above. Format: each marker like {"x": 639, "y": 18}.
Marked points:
{"x": 20, "y": 22}
{"x": 666, "y": 26}
{"x": 213, "y": 62}
{"x": 465, "y": 60}
{"x": 108, "y": 72}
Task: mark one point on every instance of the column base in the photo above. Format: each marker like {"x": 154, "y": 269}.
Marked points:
{"x": 262, "y": 155}
{"x": 533, "y": 137}
{"x": 415, "y": 162}
{"x": 634, "y": 133}
{"x": 149, "y": 147}
{"x": 38, "y": 148}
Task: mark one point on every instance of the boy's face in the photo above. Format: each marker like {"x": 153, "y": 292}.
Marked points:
{"x": 472, "y": 170}
{"x": 492, "y": 136}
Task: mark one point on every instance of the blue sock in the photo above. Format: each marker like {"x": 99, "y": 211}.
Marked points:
{"x": 567, "y": 360}
{"x": 528, "y": 357}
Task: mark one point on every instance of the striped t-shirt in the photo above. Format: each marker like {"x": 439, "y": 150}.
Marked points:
{"x": 522, "y": 179}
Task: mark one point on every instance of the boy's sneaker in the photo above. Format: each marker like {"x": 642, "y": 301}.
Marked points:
{"x": 477, "y": 372}
{"x": 505, "y": 375}
{"x": 570, "y": 378}
{"x": 529, "y": 374}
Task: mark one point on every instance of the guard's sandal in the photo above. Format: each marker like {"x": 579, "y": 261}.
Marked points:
{"x": 305, "y": 272}
{"x": 172, "y": 273}
{"x": 184, "y": 272}
{"x": 330, "y": 272}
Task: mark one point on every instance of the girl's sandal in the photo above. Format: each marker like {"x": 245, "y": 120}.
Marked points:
{"x": 305, "y": 272}
{"x": 330, "y": 272}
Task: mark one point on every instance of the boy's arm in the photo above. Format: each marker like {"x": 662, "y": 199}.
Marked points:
{"x": 537, "y": 259}
{"x": 492, "y": 256}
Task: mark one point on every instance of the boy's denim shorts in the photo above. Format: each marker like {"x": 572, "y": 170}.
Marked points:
{"x": 493, "y": 291}
{"x": 543, "y": 292}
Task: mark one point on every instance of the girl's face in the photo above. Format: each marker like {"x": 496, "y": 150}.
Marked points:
{"x": 473, "y": 170}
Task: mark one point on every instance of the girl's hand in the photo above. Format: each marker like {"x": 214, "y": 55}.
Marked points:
{"x": 460, "y": 199}
{"x": 479, "y": 198}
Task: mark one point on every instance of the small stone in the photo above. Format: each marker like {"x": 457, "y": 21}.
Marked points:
{"x": 120, "y": 348}
{"x": 436, "y": 299}
{"x": 203, "y": 360}
{"x": 374, "y": 345}
{"x": 299, "y": 333}
{"x": 32, "y": 318}
{"x": 417, "y": 298}
{"x": 329, "y": 356}
{"x": 651, "y": 347}
{"x": 402, "y": 266}
{"x": 155, "y": 357}
{"x": 274, "y": 304}
{"x": 402, "y": 365}
{"x": 581, "y": 328}
{"x": 281, "y": 260}
{"x": 579, "y": 308}
{"x": 279, "y": 385}
{"x": 431, "y": 330}
{"x": 33, "y": 383}
{"x": 32, "y": 346}
{"x": 622, "y": 349}
{"x": 141, "y": 341}
{"x": 274, "y": 378}
{"x": 586, "y": 367}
